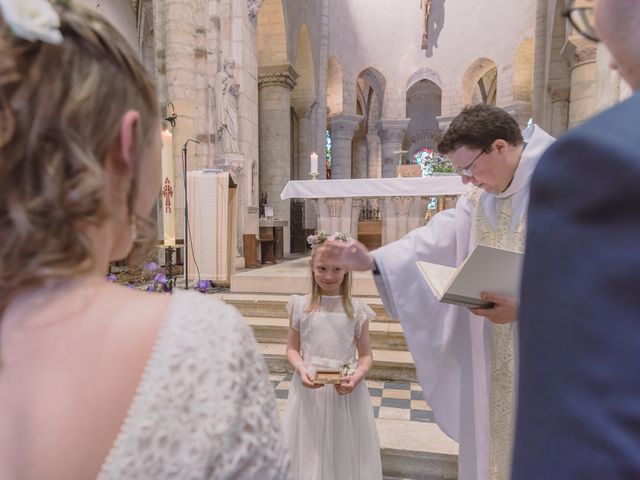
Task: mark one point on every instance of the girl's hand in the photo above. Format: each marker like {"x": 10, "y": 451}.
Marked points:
{"x": 307, "y": 376}
{"x": 347, "y": 384}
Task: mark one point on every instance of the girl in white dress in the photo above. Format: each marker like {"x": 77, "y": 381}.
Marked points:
{"x": 330, "y": 428}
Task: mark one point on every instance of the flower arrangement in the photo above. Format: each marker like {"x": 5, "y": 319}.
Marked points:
{"x": 321, "y": 237}
{"x": 431, "y": 161}
{"x": 153, "y": 278}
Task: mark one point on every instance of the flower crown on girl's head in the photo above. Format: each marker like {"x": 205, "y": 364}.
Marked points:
{"x": 321, "y": 237}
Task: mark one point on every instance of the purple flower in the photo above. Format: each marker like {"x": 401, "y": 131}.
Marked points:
{"x": 112, "y": 277}
{"x": 150, "y": 288}
{"x": 160, "y": 278}
{"x": 203, "y": 285}
{"x": 150, "y": 267}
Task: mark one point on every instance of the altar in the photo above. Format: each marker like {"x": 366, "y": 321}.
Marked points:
{"x": 402, "y": 202}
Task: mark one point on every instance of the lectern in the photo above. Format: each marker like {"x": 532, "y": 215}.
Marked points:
{"x": 212, "y": 222}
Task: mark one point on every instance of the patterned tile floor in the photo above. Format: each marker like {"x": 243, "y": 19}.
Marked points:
{"x": 389, "y": 400}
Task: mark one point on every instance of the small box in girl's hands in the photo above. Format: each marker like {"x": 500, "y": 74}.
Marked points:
{"x": 327, "y": 376}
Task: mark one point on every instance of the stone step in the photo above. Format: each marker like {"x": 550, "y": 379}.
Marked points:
{"x": 399, "y": 464}
{"x": 272, "y": 305}
{"x": 387, "y": 364}
{"x": 384, "y": 335}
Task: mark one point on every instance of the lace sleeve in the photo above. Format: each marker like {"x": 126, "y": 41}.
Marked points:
{"x": 258, "y": 444}
{"x": 364, "y": 313}
{"x": 205, "y": 408}
{"x": 294, "y": 309}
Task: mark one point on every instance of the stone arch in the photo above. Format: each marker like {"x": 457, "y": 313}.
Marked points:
{"x": 371, "y": 86}
{"x": 335, "y": 89}
{"x": 370, "y": 92}
{"x": 424, "y": 106}
{"x": 304, "y": 91}
{"x": 424, "y": 74}
{"x": 272, "y": 34}
{"x": 479, "y": 83}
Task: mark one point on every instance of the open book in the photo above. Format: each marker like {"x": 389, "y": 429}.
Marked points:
{"x": 487, "y": 269}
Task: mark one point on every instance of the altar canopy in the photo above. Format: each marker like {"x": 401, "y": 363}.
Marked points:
{"x": 211, "y": 197}
{"x": 374, "y": 187}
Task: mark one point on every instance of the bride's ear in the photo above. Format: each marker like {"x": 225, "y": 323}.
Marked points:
{"x": 121, "y": 154}
{"x": 128, "y": 126}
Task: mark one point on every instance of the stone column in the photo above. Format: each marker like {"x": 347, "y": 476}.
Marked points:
{"x": 320, "y": 116}
{"x": 356, "y": 208}
{"x": 306, "y": 140}
{"x": 274, "y": 122}
{"x": 539, "y": 70}
{"x": 176, "y": 64}
{"x": 342, "y": 128}
{"x": 581, "y": 54}
{"x": 360, "y": 162}
{"x": 559, "y": 94}
{"x": 391, "y": 136}
{"x": 373, "y": 156}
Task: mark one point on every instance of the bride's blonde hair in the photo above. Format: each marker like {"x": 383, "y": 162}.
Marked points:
{"x": 60, "y": 111}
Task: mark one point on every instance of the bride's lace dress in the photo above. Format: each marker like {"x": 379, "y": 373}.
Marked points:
{"x": 204, "y": 408}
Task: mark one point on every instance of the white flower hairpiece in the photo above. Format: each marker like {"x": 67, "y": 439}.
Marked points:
{"x": 322, "y": 237}
{"x": 32, "y": 20}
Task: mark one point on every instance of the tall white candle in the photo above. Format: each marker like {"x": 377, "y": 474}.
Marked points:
{"x": 168, "y": 178}
{"x": 314, "y": 162}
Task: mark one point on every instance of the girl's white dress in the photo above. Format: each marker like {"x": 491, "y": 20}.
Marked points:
{"x": 330, "y": 436}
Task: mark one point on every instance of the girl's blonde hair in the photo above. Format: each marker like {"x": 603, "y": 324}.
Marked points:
{"x": 316, "y": 294}
{"x": 60, "y": 111}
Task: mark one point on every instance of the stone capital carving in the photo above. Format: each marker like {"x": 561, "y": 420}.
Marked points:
{"x": 392, "y": 130}
{"x": 402, "y": 204}
{"x": 305, "y": 108}
{"x": 559, "y": 92}
{"x": 579, "y": 51}
{"x": 335, "y": 206}
{"x": 343, "y": 126}
{"x": 277, "y": 76}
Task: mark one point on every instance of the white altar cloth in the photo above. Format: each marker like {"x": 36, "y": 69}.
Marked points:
{"x": 374, "y": 187}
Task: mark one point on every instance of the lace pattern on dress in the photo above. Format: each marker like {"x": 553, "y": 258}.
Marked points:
{"x": 204, "y": 408}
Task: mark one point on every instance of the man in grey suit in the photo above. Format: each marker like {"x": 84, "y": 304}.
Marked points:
{"x": 579, "y": 391}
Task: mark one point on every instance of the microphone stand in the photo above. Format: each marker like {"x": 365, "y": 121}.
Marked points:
{"x": 186, "y": 213}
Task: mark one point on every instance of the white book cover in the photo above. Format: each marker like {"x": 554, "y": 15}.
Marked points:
{"x": 486, "y": 269}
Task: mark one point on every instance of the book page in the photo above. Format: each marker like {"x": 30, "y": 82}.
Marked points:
{"x": 487, "y": 269}
{"x": 437, "y": 276}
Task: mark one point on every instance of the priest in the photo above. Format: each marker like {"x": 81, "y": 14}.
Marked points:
{"x": 465, "y": 358}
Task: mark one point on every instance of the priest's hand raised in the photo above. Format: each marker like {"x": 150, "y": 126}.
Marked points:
{"x": 352, "y": 255}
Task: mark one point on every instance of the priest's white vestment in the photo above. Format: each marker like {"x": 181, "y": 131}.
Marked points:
{"x": 465, "y": 364}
